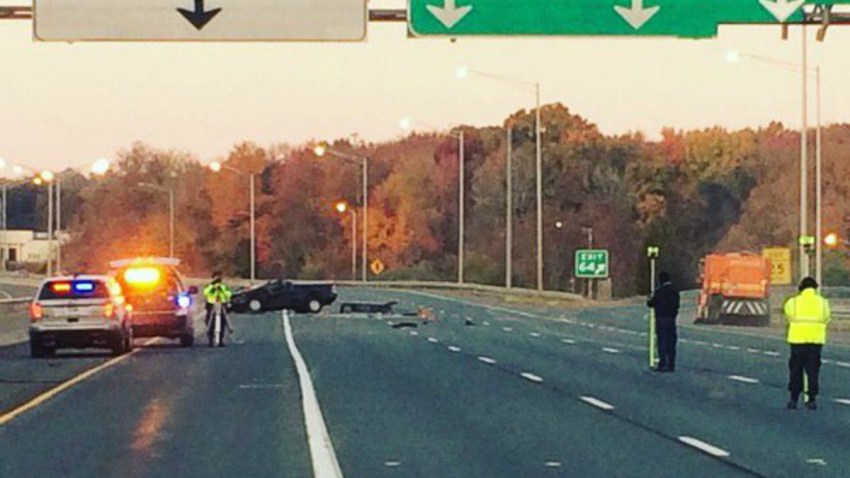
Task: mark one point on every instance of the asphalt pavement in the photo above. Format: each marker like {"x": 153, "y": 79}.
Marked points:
{"x": 481, "y": 391}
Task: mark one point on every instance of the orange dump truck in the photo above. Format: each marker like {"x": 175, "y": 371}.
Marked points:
{"x": 735, "y": 289}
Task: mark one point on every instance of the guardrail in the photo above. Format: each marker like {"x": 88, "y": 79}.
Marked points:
{"x": 466, "y": 286}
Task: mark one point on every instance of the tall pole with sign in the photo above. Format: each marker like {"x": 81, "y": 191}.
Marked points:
{"x": 652, "y": 254}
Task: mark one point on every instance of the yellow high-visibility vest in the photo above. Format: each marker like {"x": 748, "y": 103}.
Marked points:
{"x": 807, "y": 315}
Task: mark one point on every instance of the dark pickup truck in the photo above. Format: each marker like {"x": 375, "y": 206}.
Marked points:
{"x": 281, "y": 294}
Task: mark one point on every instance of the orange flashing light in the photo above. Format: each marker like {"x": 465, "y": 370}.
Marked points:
{"x": 60, "y": 287}
{"x": 36, "y": 312}
{"x": 142, "y": 276}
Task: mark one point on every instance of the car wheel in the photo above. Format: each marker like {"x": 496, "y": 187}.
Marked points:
{"x": 255, "y": 305}
{"x": 314, "y": 305}
{"x": 187, "y": 340}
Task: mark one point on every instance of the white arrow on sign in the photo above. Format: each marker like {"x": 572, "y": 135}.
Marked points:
{"x": 636, "y": 16}
{"x": 781, "y": 9}
{"x": 449, "y": 14}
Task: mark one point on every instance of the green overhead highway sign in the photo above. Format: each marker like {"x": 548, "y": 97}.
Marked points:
{"x": 683, "y": 18}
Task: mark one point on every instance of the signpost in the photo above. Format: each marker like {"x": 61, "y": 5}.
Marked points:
{"x": 652, "y": 254}
{"x": 200, "y": 20}
{"x": 683, "y": 18}
{"x": 591, "y": 264}
{"x": 780, "y": 261}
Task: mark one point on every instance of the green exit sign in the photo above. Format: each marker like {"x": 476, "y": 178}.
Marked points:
{"x": 682, "y": 18}
{"x": 591, "y": 264}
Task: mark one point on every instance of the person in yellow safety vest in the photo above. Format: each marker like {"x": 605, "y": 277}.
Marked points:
{"x": 217, "y": 292}
{"x": 808, "y": 315}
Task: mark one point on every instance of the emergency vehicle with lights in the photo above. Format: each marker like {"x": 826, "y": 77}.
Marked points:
{"x": 162, "y": 305}
{"x": 80, "y": 311}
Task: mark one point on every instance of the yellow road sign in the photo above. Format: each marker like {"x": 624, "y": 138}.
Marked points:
{"x": 780, "y": 259}
{"x": 377, "y": 267}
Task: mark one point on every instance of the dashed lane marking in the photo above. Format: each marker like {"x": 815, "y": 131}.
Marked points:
{"x": 260, "y": 386}
{"x": 486, "y": 323}
{"x": 704, "y": 447}
{"x": 610, "y": 350}
{"x": 507, "y": 329}
{"x": 596, "y": 402}
{"x": 754, "y": 351}
{"x": 816, "y": 461}
{"x": 452, "y": 348}
{"x": 35, "y": 402}
{"x": 487, "y": 360}
{"x": 843, "y": 401}
{"x": 843, "y": 364}
{"x": 568, "y": 341}
{"x": 552, "y": 464}
{"x": 433, "y": 340}
{"x": 734, "y": 347}
{"x": 392, "y": 464}
{"x": 531, "y": 377}
{"x": 414, "y": 333}
{"x": 771, "y": 353}
{"x": 741, "y": 378}
{"x": 534, "y": 334}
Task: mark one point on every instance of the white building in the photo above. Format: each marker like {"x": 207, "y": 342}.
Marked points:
{"x": 23, "y": 246}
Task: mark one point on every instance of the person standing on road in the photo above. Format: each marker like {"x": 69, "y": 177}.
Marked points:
{"x": 665, "y": 302}
{"x": 217, "y": 292}
{"x": 808, "y": 315}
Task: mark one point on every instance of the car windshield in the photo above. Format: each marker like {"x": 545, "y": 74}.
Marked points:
{"x": 74, "y": 289}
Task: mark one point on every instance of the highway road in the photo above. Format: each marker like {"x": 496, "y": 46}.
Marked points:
{"x": 483, "y": 391}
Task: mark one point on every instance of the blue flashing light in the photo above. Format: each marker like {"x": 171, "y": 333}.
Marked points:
{"x": 184, "y": 301}
{"x": 83, "y": 286}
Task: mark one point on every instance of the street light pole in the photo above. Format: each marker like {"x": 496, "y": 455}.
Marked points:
{"x": 365, "y": 264}
{"x": 509, "y": 210}
{"x": 818, "y": 186}
{"x": 353, "y": 244}
{"x": 253, "y": 234}
{"x": 539, "y": 174}
{"x": 58, "y": 231}
{"x": 49, "y": 228}
{"x": 804, "y": 257}
{"x": 460, "y": 207}
{"x": 171, "y": 221}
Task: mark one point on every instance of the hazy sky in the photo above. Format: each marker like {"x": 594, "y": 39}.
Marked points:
{"x": 73, "y": 103}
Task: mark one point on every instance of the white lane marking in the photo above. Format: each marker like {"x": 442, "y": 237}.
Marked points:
{"x": 532, "y": 377}
{"x": 734, "y": 347}
{"x": 9, "y": 416}
{"x": 843, "y": 364}
{"x": 414, "y": 333}
{"x": 699, "y": 342}
{"x": 568, "y": 341}
{"x": 754, "y": 351}
{"x": 486, "y": 323}
{"x": 703, "y": 446}
{"x": 610, "y": 350}
{"x": 826, "y": 361}
{"x": 816, "y": 461}
{"x": 552, "y": 464}
{"x": 259, "y": 386}
{"x": 684, "y": 341}
{"x": 454, "y": 349}
{"x": 487, "y": 360}
{"x": 534, "y": 334}
{"x": 717, "y": 346}
{"x": 596, "y": 402}
{"x": 507, "y": 329}
{"x": 392, "y": 464}
{"x": 740, "y": 378}
{"x": 432, "y": 340}
{"x": 771, "y": 353}
{"x": 5, "y": 294}
{"x": 843, "y": 401}
{"x": 325, "y": 464}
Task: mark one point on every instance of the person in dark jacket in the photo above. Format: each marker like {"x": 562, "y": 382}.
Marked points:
{"x": 665, "y": 302}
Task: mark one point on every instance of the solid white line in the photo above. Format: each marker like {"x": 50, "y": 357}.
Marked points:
{"x": 532, "y": 377}
{"x": 432, "y": 340}
{"x": 596, "y": 402}
{"x": 325, "y": 464}
{"x": 610, "y": 350}
{"x": 705, "y": 447}
{"x": 7, "y": 417}
{"x": 743, "y": 379}
{"x": 487, "y": 360}
{"x": 843, "y": 401}
{"x": 454, "y": 349}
